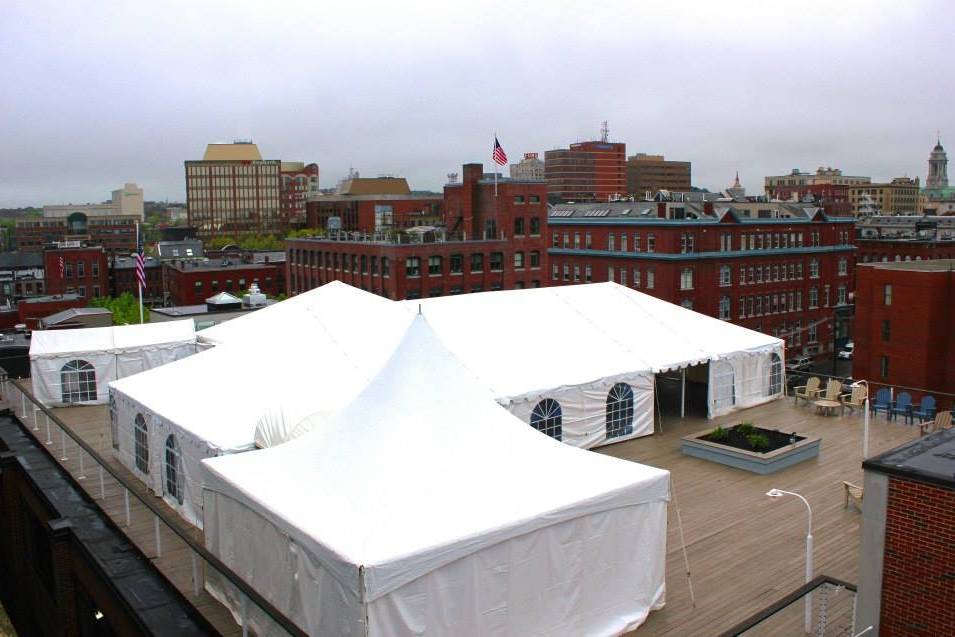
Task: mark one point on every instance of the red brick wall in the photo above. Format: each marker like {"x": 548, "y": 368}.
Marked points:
{"x": 184, "y": 291}
{"x": 886, "y": 250}
{"x": 94, "y": 265}
{"x": 918, "y": 572}
{"x": 919, "y": 348}
{"x": 30, "y": 313}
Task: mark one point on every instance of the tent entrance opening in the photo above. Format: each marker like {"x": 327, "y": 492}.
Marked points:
{"x": 683, "y": 392}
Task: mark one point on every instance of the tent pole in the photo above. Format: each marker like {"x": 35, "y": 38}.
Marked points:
{"x": 683, "y": 395}
{"x": 686, "y": 559}
{"x": 656, "y": 400}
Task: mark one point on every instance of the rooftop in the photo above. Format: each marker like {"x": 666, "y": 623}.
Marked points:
{"x": 236, "y": 151}
{"x": 21, "y": 260}
{"x": 933, "y": 265}
{"x": 745, "y": 550}
{"x": 930, "y": 459}
{"x": 213, "y": 265}
{"x": 179, "y": 311}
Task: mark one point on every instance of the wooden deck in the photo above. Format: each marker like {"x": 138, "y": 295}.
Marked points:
{"x": 745, "y": 549}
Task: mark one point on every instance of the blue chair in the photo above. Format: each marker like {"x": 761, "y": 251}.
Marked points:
{"x": 882, "y": 402}
{"x": 903, "y": 405}
{"x": 926, "y": 409}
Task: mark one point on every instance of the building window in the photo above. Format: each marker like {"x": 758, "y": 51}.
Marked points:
{"x": 94, "y": 267}
{"x": 533, "y": 198}
{"x": 842, "y": 295}
{"x": 887, "y": 294}
{"x": 843, "y": 266}
{"x": 497, "y": 261}
{"x": 364, "y": 267}
{"x": 566, "y": 272}
{"x": 434, "y": 265}
{"x": 588, "y": 240}
{"x": 412, "y": 266}
{"x": 80, "y": 269}
{"x": 141, "y": 446}
{"x": 96, "y": 291}
{"x": 686, "y": 279}
{"x": 68, "y": 270}
{"x": 636, "y": 277}
{"x": 619, "y": 412}
{"x": 611, "y": 242}
{"x": 519, "y": 200}
{"x": 813, "y": 298}
{"x": 886, "y": 330}
{"x": 687, "y": 303}
{"x": 78, "y": 382}
{"x": 556, "y": 241}
{"x": 813, "y": 269}
{"x": 174, "y": 476}
{"x": 636, "y": 242}
{"x": 385, "y": 266}
{"x": 535, "y": 259}
{"x": 518, "y": 226}
{"x": 725, "y": 308}
{"x": 775, "y": 375}
{"x": 813, "y": 335}
{"x": 576, "y": 272}
{"x": 623, "y": 276}
{"x": 651, "y": 278}
{"x": 726, "y": 274}
{"x": 588, "y": 274}
{"x": 576, "y": 240}
{"x": 554, "y": 272}
{"x": 884, "y": 367}
{"x": 686, "y": 242}
{"x": 651, "y": 244}
{"x": 81, "y": 291}
{"x": 742, "y": 306}
{"x": 456, "y": 264}
{"x": 566, "y": 239}
{"x": 477, "y": 262}
{"x": 610, "y": 273}
{"x": 535, "y": 226}
{"x": 547, "y": 418}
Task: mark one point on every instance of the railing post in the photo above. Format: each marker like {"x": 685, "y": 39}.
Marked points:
{"x": 245, "y": 615}
{"x": 158, "y": 542}
{"x": 23, "y": 405}
{"x": 49, "y": 437}
{"x": 195, "y": 575}
{"x": 63, "y": 443}
{"x": 82, "y": 475}
{"x": 102, "y": 485}
{"x": 126, "y": 501}
{"x": 36, "y": 425}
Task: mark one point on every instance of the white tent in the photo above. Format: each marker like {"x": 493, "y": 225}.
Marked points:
{"x": 575, "y": 343}
{"x": 74, "y": 366}
{"x": 226, "y": 399}
{"x": 424, "y": 508}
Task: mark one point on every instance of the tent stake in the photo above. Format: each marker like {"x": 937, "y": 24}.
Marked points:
{"x": 679, "y": 523}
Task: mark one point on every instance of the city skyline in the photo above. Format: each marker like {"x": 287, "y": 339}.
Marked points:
{"x": 128, "y": 93}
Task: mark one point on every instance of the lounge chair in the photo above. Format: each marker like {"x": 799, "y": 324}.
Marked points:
{"x": 903, "y": 405}
{"x": 925, "y": 410}
{"x": 882, "y": 402}
{"x": 833, "y": 389}
{"x": 855, "y": 400}
{"x": 809, "y": 391}
{"x": 943, "y": 420}
{"x": 854, "y": 491}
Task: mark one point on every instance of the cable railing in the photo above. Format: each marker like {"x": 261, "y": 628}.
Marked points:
{"x": 169, "y": 540}
{"x": 874, "y": 386}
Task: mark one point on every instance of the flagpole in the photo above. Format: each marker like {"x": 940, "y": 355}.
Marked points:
{"x": 139, "y": 284}
{"x": 494, "y": 164}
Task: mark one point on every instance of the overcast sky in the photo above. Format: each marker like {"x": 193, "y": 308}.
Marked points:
{"x": 96, "y": 94}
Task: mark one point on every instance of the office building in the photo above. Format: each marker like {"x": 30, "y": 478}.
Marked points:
{"x": 652, "y": 173}
{"x": 531, "y": 168}
{"x": 901, "y": 195}
{"x": 586, "y": 171}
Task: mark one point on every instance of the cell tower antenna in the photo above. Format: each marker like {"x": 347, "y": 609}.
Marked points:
{"x": 604, "y": 132}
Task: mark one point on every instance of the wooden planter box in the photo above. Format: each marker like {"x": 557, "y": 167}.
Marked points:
{"x": 762, "y": 463}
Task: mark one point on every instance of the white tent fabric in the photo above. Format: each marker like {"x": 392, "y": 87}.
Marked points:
{"x": 61, "y": 360}
{"x": 565, "y": 337}
{"x": 437, "y": 512}
{"x": 226, "y": 398}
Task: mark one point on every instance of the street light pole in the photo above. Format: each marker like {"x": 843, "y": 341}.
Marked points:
{"x": 777, "y": 493}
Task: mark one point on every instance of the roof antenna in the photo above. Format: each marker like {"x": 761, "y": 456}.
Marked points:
{"x": 419, "y": 309}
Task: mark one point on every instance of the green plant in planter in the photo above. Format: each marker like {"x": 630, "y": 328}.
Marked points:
{"x": 719, "y": 433}
{"x": 745, "y": 428}
{"x": 757, "y": 441}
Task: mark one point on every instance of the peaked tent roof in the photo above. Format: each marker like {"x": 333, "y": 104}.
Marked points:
{"x": 604, "y": 329}
{"x": 118, "y": 338}
{"x": 449, "y": 470}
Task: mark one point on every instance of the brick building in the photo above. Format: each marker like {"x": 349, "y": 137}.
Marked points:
{"x": 379, "y": 204}
{"x": 907, "y": 549}
{"x": 111, "y": 224}
{"x": 21, "y": 275}
{"x": 651, "y": 173}
{"x": 899, "y": 195}
{"x": 33, "y": 310}
{"x": 298, "y": 181}
{"x": 123, "y": 279}
{"x": 905, "y": 325}
{"x": 586, "y": 171}
{"x": 905, "y": 238}
{"x": 781, "y": 269}
{"x": 489, "y": 242}
{"x": 192, "y": 282}
{"x": 828, "y": 188}
{"x": 85, "y": 271}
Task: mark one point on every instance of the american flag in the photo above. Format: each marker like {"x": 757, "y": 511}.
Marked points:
{"x": 499, "y": 156}
{"x": 62, "y": 267}
{"x": 140, "y": 265}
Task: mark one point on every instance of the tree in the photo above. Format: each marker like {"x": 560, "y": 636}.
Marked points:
{"x": 125, "y": 308}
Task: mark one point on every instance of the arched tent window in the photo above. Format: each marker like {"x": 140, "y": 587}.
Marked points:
{"x": 141, "y": 447}
{"x": 775, "y": 375}
{"x": 78, "y": 382}
{"x": 174, "y": 476}
{"x": 619, "y": 411}
{"x": 547, "y": 418}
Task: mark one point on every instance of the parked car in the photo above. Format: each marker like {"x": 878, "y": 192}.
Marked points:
{"x": 846, "y": 352}
{"x": 799, "y": 364}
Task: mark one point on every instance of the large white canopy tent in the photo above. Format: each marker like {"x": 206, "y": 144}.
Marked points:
{"x": 254, "y": 390}
{"x": 424, "y": 508}
{"x": 573, "y": 344}
{"x": 75, "y": 366}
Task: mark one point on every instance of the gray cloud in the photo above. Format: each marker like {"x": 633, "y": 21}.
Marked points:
{"x": 96, "y": 95}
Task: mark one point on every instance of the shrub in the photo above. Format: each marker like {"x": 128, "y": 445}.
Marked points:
{"x": 757, "y": 441}
{"x": 719, "y": 433}
{"x": 746, "y": 428}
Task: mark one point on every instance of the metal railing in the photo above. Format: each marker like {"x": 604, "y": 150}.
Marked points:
{"x": 106, "y": 485}
{"x": 942, "y": 398}
{"x": 833, "y": 602}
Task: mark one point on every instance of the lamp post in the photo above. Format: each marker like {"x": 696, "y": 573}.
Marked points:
{"x": 778, "y": 493}
{"x": 865, "y": 419}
